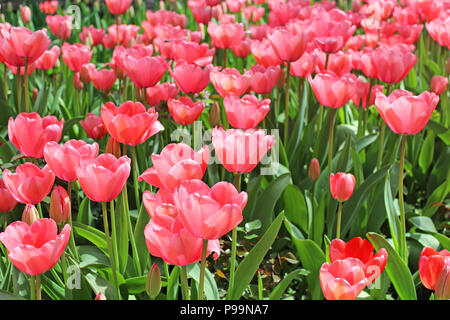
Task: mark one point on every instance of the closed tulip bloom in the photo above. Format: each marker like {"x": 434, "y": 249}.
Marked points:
{"x": 246, "y": 112}
{"x": 49, "y": 7}
{"x": 118, "y": 7}
{"x": 201, "y": 12}
{"x": 439, "y": 30}
{"x": 29, "y": 133}
{"x": 209, "y": 213}
{"x": 362, "y": 250}
{"x": 60, "y": 26}
{"x": 37, "y": 248}
{"x": 191, "y": 78}
{"x": 64, "y": 159}
{"x": 59, "y": 205}
{"x": 184, "y": 111}
{"x": 19, "y": 44}
{"x": 155, "y": 68}
{"x": 100, "y": 296}
{"x": 122, "y": 35}
{"x": 226, "y": 35}
{"x": 29, "y": 184}
{"x": 103, "y": 79}
{"x": 30, "y": 214}
{"x": 392, "y": 64}
{"x": 442, "y": 288}
{"x": 76, "y": 55}
{"x": 161, "y": 92}
{"x": 93, "y": 126}
{"x": 263, "y": 80}
{"x": 192, "y": 52}
{"x": 404, "y": 112}
{"x": 332, "y": 90}
{"x": 77, "y": 83}
{"x": 25, "y": 14}
{"x": 235, "y": 5}
{"x": 264, "y": 53}
{"x": 130, "y": 123}
{"x": 342, "y": 279}
{"x": 48, "y": 58}
{"x": 86, "y": 71}
{"x": 431, "y": 264}
{"x": 242, "y": 49}
{"x": 342, "y": 185}
{"x": 175, "y": 164}
{"x": 239, "y": 150}
{"x": 95, "y": 34}
{"x": 289, "y": 47}
{"x": 229, "y": 80}
{"x": 7, "y": 201}
{"x": 314, "y": 169}
{"x": 438, "y": 84}
{"x": 102, "y": 178}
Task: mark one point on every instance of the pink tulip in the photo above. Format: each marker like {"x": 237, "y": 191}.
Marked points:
{"x": 242, "y": 49}
{"x": 438, "y": 84}
{"x": 254, "y": 13}
{"x": 60, "y": 208}
{"x": 247, "y": 112}
{"x": 35, "y": 249}
{"x": 48, "y": 58}
{"x": 30, "y": 184}
{"x": 288, "y": 47}
{"x": 93, "y": 126}
{"x": 29, "y": 133}
{"x": 175, "y": 164}
{"x": 155, "y": 66}
{"x": 118, "y": 7}
{"x": 61, "y": 26}
{"x": 239, "y": 150}
{"x": 331, "y": 90}
{"x": 192, "y": 52}
{"x": 184, "y": 111}
{"x": 191, "y": 78}
{"x": 305, "y": 66}
{"x": 76, "y": 55}
{"x": 339, "y": 63}
{"x": 102, "y": 178}
{"x": 96, "y": 35}
{"x": 103, "y": 79}
{"x": 405, "y": 113}
{"x": 25, "y": 14}
{"x": 161, "y": 92}
{"x": 209, "y": 213}
{"x": 264, "y": 53}
{"x": 263, "y": 80}
{"x": 7, "y": 201}
{"x": 64, "y": 159}
{"x": 439, "y": 30}
{"x": 226, "y": 35}
{"x": 342, "y": 185}
{"x": 229, "y": 80}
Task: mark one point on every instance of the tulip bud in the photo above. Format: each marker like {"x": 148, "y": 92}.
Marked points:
{"x": 89, "y": 41}
{"x": 131, "y": 12}
{"x": 113, "y": 147}
{"x": 2, "y": 18}
{"x": 77, "y": 84}
{"x": 314, "y": 169}
{"x": 138, "y": 3}
{"x": 100, "y": 296}
{"x": 85, "y": 72}
{"x": 30, "y": 214}
{"x": 25, "y": 14}
{"x": 9, "y": 7}
{"x": 161, "y": 5}
{"x": 442, "y": 289}
{"x": 214, "y": 115}
{"x": 59, "y": 205}
{"x": 35, "y": 94}
{"x": 153, "y": 284}
{"x": 342, "y": 186}
{"x": 438, "y": 84}
{"x": 97, "y": 5}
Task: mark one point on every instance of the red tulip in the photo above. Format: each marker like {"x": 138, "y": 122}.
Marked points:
{"x": 175, "y": 164}
{"x": 30, "y": 184}
{"x": 61, "y": 26}
{"x": 103, "y": 79}
{"x": 7, "y": 201}
{"x": 35, "y": 249}
{"x": 331, "y": 90}
{"x": 342, "y": 279}
{"x": 239, "y": 150}
{"x": 64, "y": 159}
{"x": 161, "y": 92}
{"x": 229, "y": 80}
{"x": 362, "y": 250}
{"x": 96, "y": 35}
{"x": 77, "y": 83}
{"x": 76, "y": 55}
{"x": 25, "y": 14}
{"x": 438, "y": 84}
{"x": 191, "y": 78}
{"x": 405, "y": 113}
{"x": 93, "y": 126}
{"x": 247, "y": 112}
{"x": 442, "y": 288}
{"x": 130, "y": 123}
{"x": 314, "y": 170}
{"x": 118, "y": 7}
{"x": 209, "y": 213}
{"x": 342, "y": 185}
{"x": 48, "y": 58}
{"x": 264, "y": 53}
{"x": 60, "y": 209}
{"x": 49, "y": 7}
{"x": 86, "y": 72}
{"x": 288, "y": 47}
{"x": 184, "y": 111}
{"x": 20, "y": 44}
{"x": 29, "y": 133}
{"x": 102, "y": 178}
{"x": 226, "y": 35}
{"x": 431, "y": 264}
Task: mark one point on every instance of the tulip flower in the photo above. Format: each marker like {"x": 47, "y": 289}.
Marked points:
{"x": 442, "y": 288}
{"x": 192, "y": 52}
{"x": 76, "y": 55}
{"x": 431, "y": 264}
{"x": 175, "y": 164}
{"x": 155, "y": 66}
{"x": 235, "y": 5}
{"x": 161, "y": 92}
{"x": 49, "y": 7}
{"x": 246, "y": 112}
{"x": 30, "y": 214}
{"x": 264, "y": 53}
{"x": 103, "y": 79}
{"x": 100, "y": 296}
{"x": 225, "y": 36}
{"x": 35, "y": 249}
{"x": 314, "y": 170}
{"x": 96, "y": 35}
{"x": 263, "y": 80}
{"x": 48, "y": 59}
{"x": 122, "y": 34}
{"x": 339, "y": 63}
{"x": 362, "y": 250}
{"x": 305, "y": 66}
{"x": 61, "y": 26}
{"x": 64, "y": 159}
{"x": 242, "y": 49}
{"x": 341, "y": 187}
{"x": 102, "y": 178}
{"x": 184, "y": 111}
{"x": 254, "y": 13}
{"x": 342, "y": 279}
{"x": 332, "y": 90}
{"x": 438, "y": 84}
{"x": 118, "y": 7}
{"x": 439, "y": 31}
{"x": 130, "y": 123}
{"x": 201, "y": 12}
{"x": 29, "y": 184}
{"x": 60, "y": 209}
{"x": 240, "y": 151}
{"x": 288, "y": 47}
{"x": 191, "y": 78}
{"x": 7, "y": 201}
{"x": 29, "y": 133}
{"x": 93, "y": 126}
{"x": 229, "y": 80}
{"x": 25, "y": 14}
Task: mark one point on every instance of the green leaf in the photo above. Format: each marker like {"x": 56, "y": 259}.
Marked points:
{"x": 91, "y": 255}
{"x": 141, "y": 246}
{"x": 93, "y": 235}
{"x": 211, "y": 291}
{"x": 318, "y": 221}
{"x": 136, "y": 285}
{"x": 70, "y": 123}
{"x": 284, "y": 284}
{"x": 396, "y": 268}
{"x": 248, "y": 266}
{"x": 5, "y": 295}
{"x": 391, "y": 212}
{"x": 84, "y": 212}
{"x": 445, "y": 241}
{"x": 122, "y": 240}
{"x": 423, "y": 223}
{"x": 436, "y": 197}
{"x": 295, "y": 207}
{"x": 100, "y": 284}
{"x": 427, "y": 152}
{"x": 172, "y": 284}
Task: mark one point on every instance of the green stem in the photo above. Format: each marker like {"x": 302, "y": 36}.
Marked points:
{"x": 286, "y": 104}
{"x": 237, "y": 184}
{"x": 19, "y": 91}
{"x": 135, "y": 176}
{"x": 225, "y": 58}
{"x": 27, "y": 102}
{"x": 404, "y": 250}
{"x": 380, "y": 146}
{"x": 202, "y": 270}
{"x": 72, "y": 239}
{"x": 5, "y": 75}
{"x": 184, "y": 283}
{"x": 32, "y": 287}
{"x": 330, "y": 141}
{"x": 110, "y": 248}
{"x": 38, "y": 287}
{"x": 338, "y": 230}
